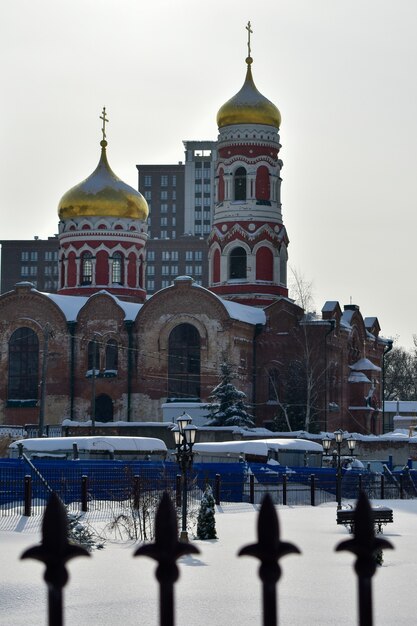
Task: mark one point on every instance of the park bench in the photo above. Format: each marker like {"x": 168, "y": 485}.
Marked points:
{"x": 381, "y": 515}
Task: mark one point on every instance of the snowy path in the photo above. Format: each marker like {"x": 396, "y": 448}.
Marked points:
{"x": 216, "y": 587}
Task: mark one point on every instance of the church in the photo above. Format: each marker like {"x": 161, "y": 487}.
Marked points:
{"x": 101, "y": 349}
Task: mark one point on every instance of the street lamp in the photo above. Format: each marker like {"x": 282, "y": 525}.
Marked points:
{"x": 339, "y": 438}
{"x": 184, "y": 435}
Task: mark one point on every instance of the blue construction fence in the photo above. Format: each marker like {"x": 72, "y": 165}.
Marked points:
{"x": 116, "y": 481}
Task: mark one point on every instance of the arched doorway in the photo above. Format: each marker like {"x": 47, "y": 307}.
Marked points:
{"x": 184, "y": 362}
{"x": 104, "y": 408}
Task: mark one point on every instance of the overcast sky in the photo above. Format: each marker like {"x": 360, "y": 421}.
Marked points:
{"x": 342, "y": 73}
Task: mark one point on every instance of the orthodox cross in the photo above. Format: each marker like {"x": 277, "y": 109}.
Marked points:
{"x": 250, "y": 31}
{"x": 104, "y": 118}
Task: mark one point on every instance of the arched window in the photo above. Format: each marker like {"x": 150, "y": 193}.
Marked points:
{"x": 274, "y": 391}
{"x": 111, "y": 355}
{"x": 262, "y": 184}
{"x": 221, "y": 186}
{"x": 216, "y": 266}
{"x": 23, "y": 365}
{"x": 184, "y": 362}
{"x": 87, "y": 268}
{"x": 93, "y": 355}
{"x": 264, "y": 264}
{"x": 104, "y": 408}
{"x": 240, "y": 184}
{"x": 117, "y": 268}
{"x": 237, "y": 263}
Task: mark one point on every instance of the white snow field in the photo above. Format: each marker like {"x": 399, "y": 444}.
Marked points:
{"x": 217, "y": 587}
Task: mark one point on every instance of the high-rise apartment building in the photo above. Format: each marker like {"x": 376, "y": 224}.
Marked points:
{"x": 180, "y": 199}
{"x": 33, "y": 260}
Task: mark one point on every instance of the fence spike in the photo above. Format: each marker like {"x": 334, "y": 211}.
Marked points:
{"x": 166, "y": 550}
{"x": 269, "y": 550}
{"x": 54, "y": 551}
{"x": 364, "y": 546}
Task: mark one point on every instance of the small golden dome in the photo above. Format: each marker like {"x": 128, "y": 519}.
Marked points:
{"x": 249, "y": 106}
{"x": 103, "y": 194}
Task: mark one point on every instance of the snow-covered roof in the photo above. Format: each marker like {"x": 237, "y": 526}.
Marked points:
{"x": 52, "y": 444}
{"x": 257, "y": 447}
{"x": 241, "y": 312}
{"x": 329, "y": 306}
{"x": 365, "y": 365}
{"x": 71, "y": 305}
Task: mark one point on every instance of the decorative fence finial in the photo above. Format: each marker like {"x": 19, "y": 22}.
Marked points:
{"x": 365, "y": 546}
{"x": 166, "y": 550}
{"x": 269, "y": 550}
{"x": 55, "y": 550}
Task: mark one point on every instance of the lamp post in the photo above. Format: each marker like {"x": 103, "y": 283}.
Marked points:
{"x": 339, "y": 438}
{"x": 184, "y": 436}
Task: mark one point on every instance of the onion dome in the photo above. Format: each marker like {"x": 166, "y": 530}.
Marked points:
{"x": 103, "y": 194}
{"x": 249, "y": 106}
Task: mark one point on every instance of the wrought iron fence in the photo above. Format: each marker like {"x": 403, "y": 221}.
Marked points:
{"x": 55, "y": 551}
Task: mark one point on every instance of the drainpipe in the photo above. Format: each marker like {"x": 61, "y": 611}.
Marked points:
{"x": 387, "y": 349}
{"x": 332, "y": 323}
{"x": 258, "y": 330}
{"x": 71, "y": 327}
{"x": 129, "y": 329}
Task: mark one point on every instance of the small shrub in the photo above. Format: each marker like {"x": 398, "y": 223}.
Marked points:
{"x": 206, "y": 522}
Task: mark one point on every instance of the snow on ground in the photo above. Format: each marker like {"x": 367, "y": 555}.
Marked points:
{"x": 216, "y": 587}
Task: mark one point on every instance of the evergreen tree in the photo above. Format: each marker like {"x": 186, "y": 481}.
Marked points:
{"x": 206, "y": 522}
{"x": 228, "y": 406}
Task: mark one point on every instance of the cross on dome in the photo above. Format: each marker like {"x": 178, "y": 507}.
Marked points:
{"x": 104, "y": 118}
{"x": 250, "y": 31}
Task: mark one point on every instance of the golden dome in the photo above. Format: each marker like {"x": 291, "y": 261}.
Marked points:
{"x": 103, "y": 194}
{"x": 249, "y": 106}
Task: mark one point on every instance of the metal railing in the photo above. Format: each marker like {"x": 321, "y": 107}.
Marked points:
{"x": 55, "y": 551}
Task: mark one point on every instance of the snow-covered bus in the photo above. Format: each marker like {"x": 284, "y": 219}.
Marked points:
{"x": 95, "y": 447}
{"x": 291, "y": 452}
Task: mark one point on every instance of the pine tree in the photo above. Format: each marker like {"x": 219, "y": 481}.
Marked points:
{"x": 206, "y": 522}
{"x": 228, "y": 406}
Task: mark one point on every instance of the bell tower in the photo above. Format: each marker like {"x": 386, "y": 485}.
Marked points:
{"x": 248, "y": 242}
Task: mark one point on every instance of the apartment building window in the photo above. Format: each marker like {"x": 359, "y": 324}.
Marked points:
{"x": 174, "y": 221}
{"x": 174, "y": 180}
{"x": 164, "y": 234}
{"x": 198, "y": 202}
{"x": 198, "y": 270}
{"x": 206, "y": 229}
{"x": 148, "y": 181}
{"x": 206, "y": 201}
{"x": 48, "y": 270}
{"x": 198, "y": 188}
{"x": 198, "y": 255}
{"x": 151, "y": 255}
{"x": 174, "y": 208}
{"x": 174, "y": 194}
{"x": 165, "y": 283}
{"x": 164, "y": 181}
{"x": 174, "y": 255}
{"x": 189, "y": 255}
{"x": 24, "y": 256}
{"x": 24, "y": 270}
{"x": 207, "y": 188}
{"x": 198, "y": 229}
{"x": 150, "y": 270}
{"x": 174, "y": 270}
{"x": 150, "y": 285}
{"x": 164, "y": 208}
{"x": 207, "y": 215}
{"x": 33, "y": 270}
{"x": 165, "y": 270}
{"x": 165, "y": 255}
{"x": 148, "y": 195}
{"x": 164, "y": 221}
{"x": 50, "y": 255}
{"x": 189, "y": 270}
{"x": 174, "y": 234}
{"x": 164, "y": 195}
{"x": 33, "y": 256}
